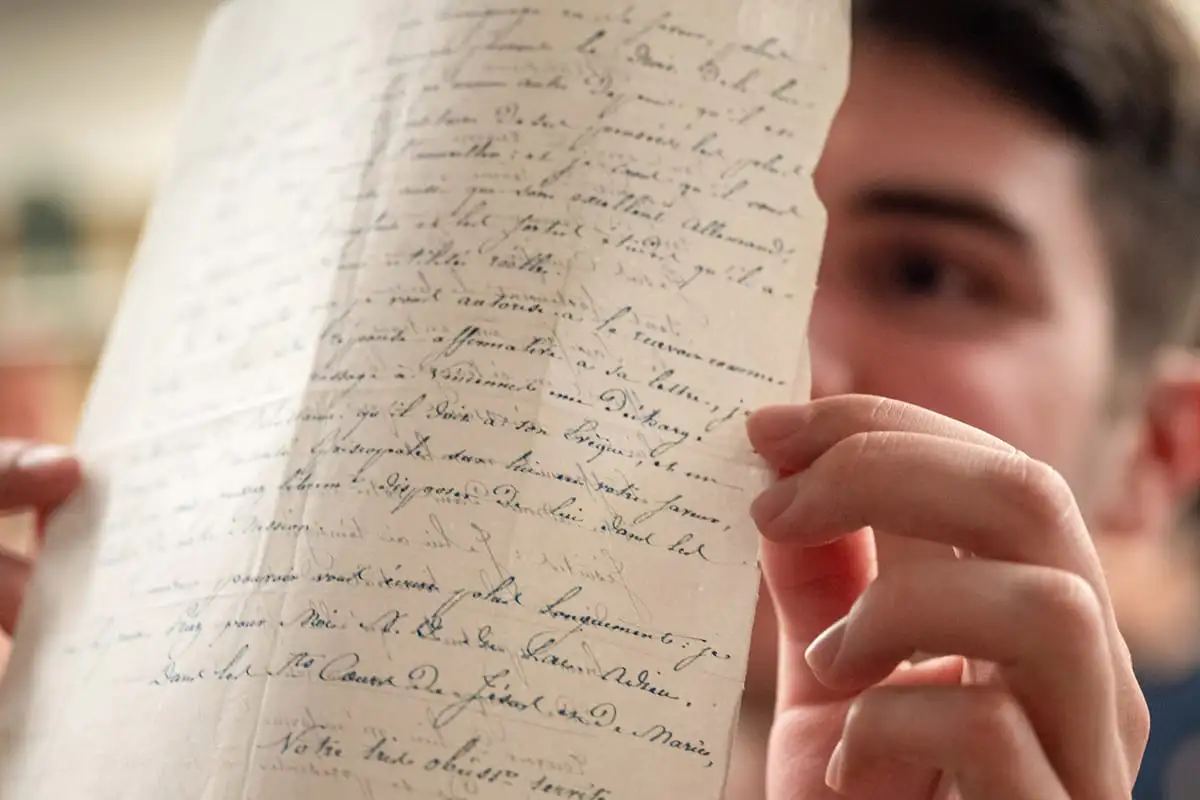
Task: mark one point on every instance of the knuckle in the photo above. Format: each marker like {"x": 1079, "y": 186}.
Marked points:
{"x": 1039, "y": 491}
{"x": 1134, "y": 711}
{"x": 1070, "y": 600}
{"x": 1136, "y": 723}
{"x": 991, "y": 722}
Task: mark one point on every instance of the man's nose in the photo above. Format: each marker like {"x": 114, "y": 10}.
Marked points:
{"x": 828, "y": 342}
{"x": 830, "y": 376}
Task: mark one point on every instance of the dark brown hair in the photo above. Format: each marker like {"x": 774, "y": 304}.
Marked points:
{"x": 1123, "y": 77}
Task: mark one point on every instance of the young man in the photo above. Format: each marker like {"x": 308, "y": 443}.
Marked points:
{"x": 1012, "y": 187}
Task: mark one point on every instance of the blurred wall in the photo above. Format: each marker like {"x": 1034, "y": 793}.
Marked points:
{"x": 89, "y": 93}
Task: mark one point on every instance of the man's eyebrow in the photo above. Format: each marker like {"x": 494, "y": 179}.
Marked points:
{"x": 941, "y": 206}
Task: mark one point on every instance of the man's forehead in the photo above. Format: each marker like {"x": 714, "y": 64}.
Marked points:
{"x": 916, "y": 132}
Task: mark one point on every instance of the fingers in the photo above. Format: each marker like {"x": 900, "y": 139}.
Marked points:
{"x": 979, "y": 735}
{"x": 1065, "y": 703}
{"x": 790, "y": 438}
{"x": 991, "y": 503}
{"x": 36, "y": 477}
{"x": 1044, "y": 627}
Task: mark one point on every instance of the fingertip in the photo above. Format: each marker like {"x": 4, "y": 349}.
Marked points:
{"x": 40, "y": 477}
{"x": 54, "y": 470}
{"x": 772, "y": 424}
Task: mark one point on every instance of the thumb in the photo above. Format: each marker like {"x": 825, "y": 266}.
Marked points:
{"x": 811, "y": 589}
{"x": 35, "y": 477}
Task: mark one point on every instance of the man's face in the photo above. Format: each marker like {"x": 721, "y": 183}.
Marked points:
{"x": 962, "y": 270}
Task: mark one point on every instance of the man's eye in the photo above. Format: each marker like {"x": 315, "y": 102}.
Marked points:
{"x": 919, "y": 274}
{"x": 925, "y": 275}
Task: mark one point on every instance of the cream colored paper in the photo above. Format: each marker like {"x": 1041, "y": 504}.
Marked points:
{"x": 417, "y": 456}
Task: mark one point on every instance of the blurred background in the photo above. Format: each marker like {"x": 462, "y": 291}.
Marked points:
{"x": 89, "y": 94}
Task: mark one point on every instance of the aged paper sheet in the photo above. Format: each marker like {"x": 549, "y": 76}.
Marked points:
{"x": 416, "y": 457}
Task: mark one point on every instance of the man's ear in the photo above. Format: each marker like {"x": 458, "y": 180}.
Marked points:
{"x": 1162, "y": 469}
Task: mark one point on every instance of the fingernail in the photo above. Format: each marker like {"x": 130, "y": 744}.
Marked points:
{"x": 824, "y": 650}
{"x": 771, "y": 504}
{"x": 833, "y": 772}
{"x": 42, "y": 457}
